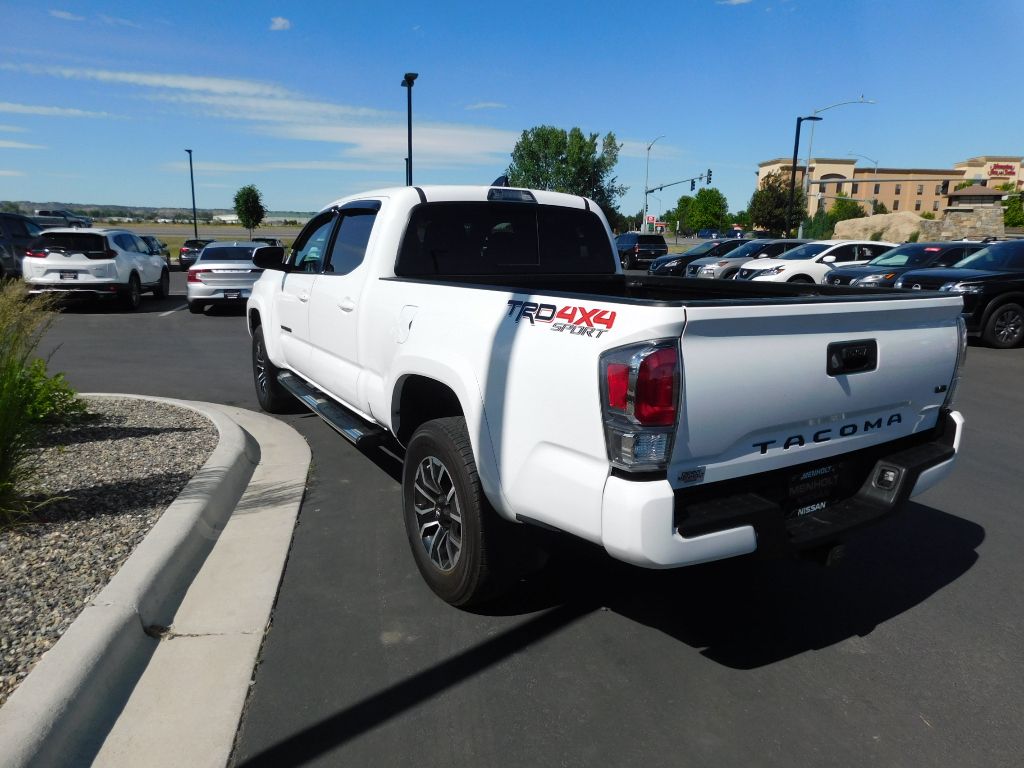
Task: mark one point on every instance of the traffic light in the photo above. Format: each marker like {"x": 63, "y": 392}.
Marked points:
{"x": 693, "y": 184}
{"x": 709, "y": 175}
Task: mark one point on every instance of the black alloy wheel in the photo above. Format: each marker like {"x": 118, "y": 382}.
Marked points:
{"x": 1005, "y": 327}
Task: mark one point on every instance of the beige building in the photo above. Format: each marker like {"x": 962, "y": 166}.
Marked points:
{"x": 898, "y": 189}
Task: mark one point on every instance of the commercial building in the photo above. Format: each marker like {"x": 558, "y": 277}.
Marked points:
{"x": 898, "y": 189}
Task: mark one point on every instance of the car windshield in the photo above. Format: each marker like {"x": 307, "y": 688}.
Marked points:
{"x": 748, "y": 250}
{"x": 806, "y": 251}
{"x": 227, "y": 253}
{"x": 904, "y": 256}
{"x": 700, "y": 250}
{"x": 995, "y": 258}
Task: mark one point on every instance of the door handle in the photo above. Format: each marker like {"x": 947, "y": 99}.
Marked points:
{"x": 346, "y": 304}
{"x": 303, "y": 297}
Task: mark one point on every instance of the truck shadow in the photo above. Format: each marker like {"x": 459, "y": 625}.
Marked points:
{"x": 747, "y": 613}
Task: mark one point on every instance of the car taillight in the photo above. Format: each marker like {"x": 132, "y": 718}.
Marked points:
{"x": 640, "y": 387}
{"x": 193, "y": 275}
{"x": 35, "y": 254}
{"x": 182, "y": 251}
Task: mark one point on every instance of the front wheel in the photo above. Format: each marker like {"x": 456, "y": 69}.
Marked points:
{"x": 452, "y": 530}
{"x": 801, "y": 279}
{"x": 1005, "y": 327}
{"x": 272, "y": 397}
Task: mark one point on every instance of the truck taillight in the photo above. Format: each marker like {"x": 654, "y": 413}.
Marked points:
{"x": 193, "y": 275}
{"x": 640, "y": 387}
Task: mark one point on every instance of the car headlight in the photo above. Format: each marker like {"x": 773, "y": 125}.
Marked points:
{"x": 960, "y": 288}
{"x": 774, "y": 270}
{"x": 873, "y": 278}
{"x": 707, "y": 270}
{"x": 669, "y": 264}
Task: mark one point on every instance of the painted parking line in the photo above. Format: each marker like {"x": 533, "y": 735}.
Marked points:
{"x": 172, "y": 311}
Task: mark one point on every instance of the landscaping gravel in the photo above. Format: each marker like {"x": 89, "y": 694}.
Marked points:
{"x": 112, "y": 477}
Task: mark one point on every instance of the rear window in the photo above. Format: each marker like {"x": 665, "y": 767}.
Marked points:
{"x": 92, "y": 245}
{"x": 195, "y": 243}
{"x": 497, "y": 238}
{"x": 652, "y": 240}
{"x": 226, "y": 253}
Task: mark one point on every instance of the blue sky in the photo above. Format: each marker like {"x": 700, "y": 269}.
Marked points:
{"x": 99, "y": 99}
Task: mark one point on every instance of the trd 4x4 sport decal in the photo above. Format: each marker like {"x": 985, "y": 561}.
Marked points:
{"x": 577, "y": 321}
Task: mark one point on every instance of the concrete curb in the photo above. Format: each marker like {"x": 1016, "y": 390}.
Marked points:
{"x": 60, "y": 714}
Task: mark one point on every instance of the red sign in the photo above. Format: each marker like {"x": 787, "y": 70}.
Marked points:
{"x": 1001, "y": 169}
{"x": 650, "y": 219}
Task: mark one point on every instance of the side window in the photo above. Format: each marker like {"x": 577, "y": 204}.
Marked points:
{"x": 310, "y": 246}
{"x": 140, "y": 245}
{"x": 878, "y": 250}
{"x": 844, "y": 253}
{"x": 950, "y": 257}
{"x": 123, "y": 241}
{"x": 350, "y": 242}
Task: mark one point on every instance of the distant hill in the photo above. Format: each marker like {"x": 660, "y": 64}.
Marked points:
{"x": 148, "y": 213}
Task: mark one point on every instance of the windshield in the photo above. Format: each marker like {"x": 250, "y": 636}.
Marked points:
{"x": 996, "y": 257}
{"x": 904, "y": 256}
{"x": 700, "y": 250}
{"x": 748, "y": 250}
{"x": 807, "y": 251}
{"x": 228, "y": 253}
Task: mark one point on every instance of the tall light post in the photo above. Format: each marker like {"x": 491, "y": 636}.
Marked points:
{"x": 192, "y": 179}
{"x": 810, "y": 143}
{"x": 792, "y": 171}
{"x": 875, "y": 162}
{"x": 407, "y": 81}
{"x": 647, "y": 176}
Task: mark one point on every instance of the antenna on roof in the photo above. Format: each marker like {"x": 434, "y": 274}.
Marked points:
{"x": 501, "y": 181}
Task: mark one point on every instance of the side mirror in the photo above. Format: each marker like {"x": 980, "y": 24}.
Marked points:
{"x": 270, "y": 257}
{"x": 828, "y": 259}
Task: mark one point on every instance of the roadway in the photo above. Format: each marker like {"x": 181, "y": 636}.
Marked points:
{"x": 907, "y": 654}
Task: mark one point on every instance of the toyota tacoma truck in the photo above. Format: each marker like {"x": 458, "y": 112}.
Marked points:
{"x": 61, "y": 218}
{"x": 491, "y": 334}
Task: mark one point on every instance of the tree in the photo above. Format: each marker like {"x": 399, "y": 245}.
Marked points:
{"x": 709, "y": 210}
{"x": 844, "y": 208}
{"x": 877, "y": 208}
{"x": 1013, "y": 212}
{"x": 681, "y": 213}
{"x": 8, "y": 207}
{"x": 769, "y": 205}
{"x": 818, "y": 227}
{"x": 546, "y": 157}
{"x": 249, "y": 207}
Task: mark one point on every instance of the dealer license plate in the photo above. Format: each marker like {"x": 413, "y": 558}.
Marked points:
{"x": 232, "y": 294}
{"x": 68, "y": 275}
{"x": 811, "y": 490}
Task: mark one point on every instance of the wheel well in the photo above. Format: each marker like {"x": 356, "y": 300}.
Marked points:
{"x": 420, "y": 401}
{"x": 254, "y": 320}
{"x": 998, "y": 301}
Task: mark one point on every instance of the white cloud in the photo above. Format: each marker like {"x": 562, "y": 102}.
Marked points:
{"x": 66, "y": 16}
{"x": 28, "y": 109}
{"x": 114, "y": 21}
{"x": 6, "y": 144}
{"x": 279, "y": 24}
{"x": 12, "y": 129}
{"x": 269, "y": 110}
{"x": 11, "y": 173}
{"x": 487, "y": 105}
{"x": 731, "y": 2}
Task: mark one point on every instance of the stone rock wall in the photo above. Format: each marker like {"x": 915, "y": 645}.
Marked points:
{"x": 973, "y": 223}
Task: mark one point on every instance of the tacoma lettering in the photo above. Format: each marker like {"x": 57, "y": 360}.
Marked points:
{"x": 824, "y": 435}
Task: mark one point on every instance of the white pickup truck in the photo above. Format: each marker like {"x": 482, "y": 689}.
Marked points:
{"x": 491, "y": 333}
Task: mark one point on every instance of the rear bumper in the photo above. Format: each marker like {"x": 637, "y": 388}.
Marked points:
{"x": 651, "y": 525}
{"x": 74, "y": 289}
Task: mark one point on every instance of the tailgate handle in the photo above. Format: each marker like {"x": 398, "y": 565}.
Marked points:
{"x": 845, "y": 357}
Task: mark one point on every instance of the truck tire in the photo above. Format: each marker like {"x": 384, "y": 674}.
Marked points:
{"x": 132, "y": 295}
{"x": 272, "y": 397}
{"x": 1005, "y": 327}
{"x": 452, "y": 529}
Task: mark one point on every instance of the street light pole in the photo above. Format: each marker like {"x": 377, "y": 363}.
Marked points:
{"x": 792, "y": 172}
{"x": 192, "y": 179}
{"x": 647, "y": 176}
{"x": 810, "y": 143}
{"x": 407, "y": 81}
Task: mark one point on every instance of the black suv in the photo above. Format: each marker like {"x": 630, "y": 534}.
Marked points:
{"x": 16, "y": 232}
{"x": 882, "y": 271}
{"x": 991, "y": 282}
{"x": 675, "y": 263}
{"x": 190, "y": 252}
{"x": 637, "y": 248}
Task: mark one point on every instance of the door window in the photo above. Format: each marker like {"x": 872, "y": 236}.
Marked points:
{"x": 844, "y": 253}
{"x": 310, "y": 248}
{"x": 349, "y": 246}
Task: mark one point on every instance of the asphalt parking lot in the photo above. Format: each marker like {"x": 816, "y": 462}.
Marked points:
{"x": 907, "y": 654}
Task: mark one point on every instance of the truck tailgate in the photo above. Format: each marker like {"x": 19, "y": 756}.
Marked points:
{"x": 758, "y": 393}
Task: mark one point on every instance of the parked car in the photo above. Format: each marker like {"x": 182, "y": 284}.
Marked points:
{"x": 639, "y": 248}
{"x": 727, "y": 266}
{"x": 991, "y": 282}
{"x": 268, "y": 241}
{"x": 809, "y": 263}
{"x": 224, "y": 274}
{"x": 883, "y": 270}
{"x": 676, "y": 263}
{"x": 16, "y": 233}
{"x": 61, "y": 218}
{"x": 704, "y": 234}
{"x": 189, "y": 251}
{"x": 94, "y": 263}
{"x": 157, "y": 247}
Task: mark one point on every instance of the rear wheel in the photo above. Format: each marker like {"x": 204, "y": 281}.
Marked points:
{"x": 163, "y": 287}
{"x": 133, "y": 293}
{"x": 1005, "y": 327}
{"x": 196, "y": 307}
{"x": 452, "y": 530}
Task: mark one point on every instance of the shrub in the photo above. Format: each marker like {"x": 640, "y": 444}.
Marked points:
{"x": 928, "y": 215}
{"x": 876, "y": 235}
{"x": 913, "y": 237}
{"x": 28, "y": 397}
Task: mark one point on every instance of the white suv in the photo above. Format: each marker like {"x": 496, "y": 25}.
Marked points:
{"x": 810, "y": 262}
{"x": 95, "y": 263}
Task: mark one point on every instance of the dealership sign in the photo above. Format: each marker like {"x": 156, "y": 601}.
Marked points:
{"x": 1001, "y": 169}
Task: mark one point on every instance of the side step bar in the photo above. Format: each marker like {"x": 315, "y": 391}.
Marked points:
{"x": 357, "y": 431}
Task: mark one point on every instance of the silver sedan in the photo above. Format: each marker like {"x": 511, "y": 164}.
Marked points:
{"x": 223, "y": 274}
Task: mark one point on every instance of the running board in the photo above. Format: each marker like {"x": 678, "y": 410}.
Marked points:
{"x": 357, "y": 431}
